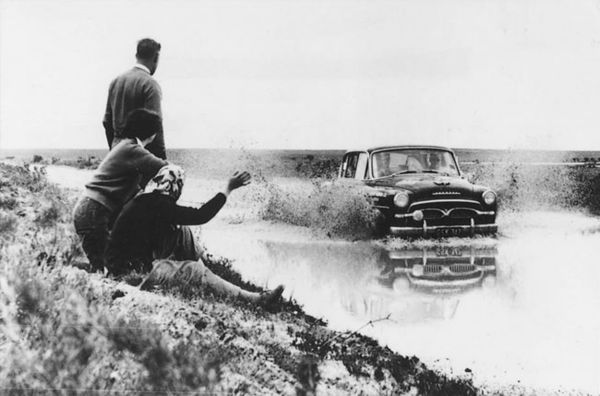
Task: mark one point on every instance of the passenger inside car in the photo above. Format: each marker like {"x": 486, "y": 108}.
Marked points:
{"x": 438, "y": 163}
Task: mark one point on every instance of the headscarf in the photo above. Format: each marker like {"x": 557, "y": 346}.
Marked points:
{"x": 167, "y": 181}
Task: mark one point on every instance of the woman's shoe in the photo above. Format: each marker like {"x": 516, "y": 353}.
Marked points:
{"x": 270, "y": 300}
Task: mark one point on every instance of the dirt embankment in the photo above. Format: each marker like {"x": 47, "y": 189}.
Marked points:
{"x": 63, "y": 330}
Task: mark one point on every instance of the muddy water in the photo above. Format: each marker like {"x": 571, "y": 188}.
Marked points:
{"x": 519, "y": 309}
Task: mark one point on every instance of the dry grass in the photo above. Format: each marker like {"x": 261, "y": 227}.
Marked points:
{"x": 58, "y": 332}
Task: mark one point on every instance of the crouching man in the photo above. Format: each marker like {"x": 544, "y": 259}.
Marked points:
{"x": 150, "y": 235}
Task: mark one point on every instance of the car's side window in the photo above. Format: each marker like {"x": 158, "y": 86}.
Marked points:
{"x": 349, "y": 166}
{"x": 361, "y": 166}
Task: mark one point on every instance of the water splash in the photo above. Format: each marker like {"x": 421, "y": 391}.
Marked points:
{"x": 337, "y": 210}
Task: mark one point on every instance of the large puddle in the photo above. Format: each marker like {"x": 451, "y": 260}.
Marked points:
{"x": 520, "y": 309}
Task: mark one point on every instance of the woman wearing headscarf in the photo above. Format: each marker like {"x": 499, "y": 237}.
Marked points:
{"x": 150, "y": 235}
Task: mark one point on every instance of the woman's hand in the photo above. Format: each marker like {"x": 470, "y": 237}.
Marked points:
{"x": 237, "y": 180}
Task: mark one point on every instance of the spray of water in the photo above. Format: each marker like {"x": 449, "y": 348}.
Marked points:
{"x": 523, "y": 186}
{"x": 336, "y": 209}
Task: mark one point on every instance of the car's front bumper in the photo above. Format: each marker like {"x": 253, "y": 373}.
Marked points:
{"x": 444, "y": 230}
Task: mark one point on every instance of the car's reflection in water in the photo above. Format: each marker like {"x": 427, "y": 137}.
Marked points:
{"x": 418, "y": 285}
{"x": 440, "y": 269}
{"x": 412, "y": 284}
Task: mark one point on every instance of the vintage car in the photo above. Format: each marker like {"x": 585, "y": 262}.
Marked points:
{"x": 421, "y": 191}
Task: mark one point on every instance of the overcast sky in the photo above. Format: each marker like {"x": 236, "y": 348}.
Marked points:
{"x": 310, "y": 74}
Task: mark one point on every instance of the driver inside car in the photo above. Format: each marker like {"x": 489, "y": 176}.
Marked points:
{"x": 382, "y": 165}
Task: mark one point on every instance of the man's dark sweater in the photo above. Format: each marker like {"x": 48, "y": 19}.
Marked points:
{"x": 133, "y": 89}
{"x": 141, "y": 227}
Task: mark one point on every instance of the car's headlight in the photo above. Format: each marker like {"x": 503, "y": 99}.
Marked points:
{"x": 489, "y": 197}
{"x": 401, "y": 199}
{"x": 418, "y": 270}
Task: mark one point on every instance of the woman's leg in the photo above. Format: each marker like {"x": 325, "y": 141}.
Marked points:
{"x": 197, "y": 274}
{"x": 91, "y": 221}
{"x": 178, "y": 243}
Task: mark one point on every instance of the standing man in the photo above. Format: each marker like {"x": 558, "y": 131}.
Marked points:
{"x": 134, "y": 89}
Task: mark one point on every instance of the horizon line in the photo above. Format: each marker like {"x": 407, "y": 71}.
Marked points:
{"x": 289, "y": 149}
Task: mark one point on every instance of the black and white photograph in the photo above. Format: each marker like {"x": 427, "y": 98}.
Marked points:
{"x": 300, "y": 197}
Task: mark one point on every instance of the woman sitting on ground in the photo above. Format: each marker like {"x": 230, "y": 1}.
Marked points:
{"x": 118, "y": 178}
{"x": 153, "y": 227}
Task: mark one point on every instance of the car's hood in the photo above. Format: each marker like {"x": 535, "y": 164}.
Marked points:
{"x": 428, "y": 184}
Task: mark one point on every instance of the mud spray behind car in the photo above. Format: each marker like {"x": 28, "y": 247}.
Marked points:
{"x": 421, "y": 191}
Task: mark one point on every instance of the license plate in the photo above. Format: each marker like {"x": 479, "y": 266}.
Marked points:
{"x": 449, "y": 231}
{"x": 445, "y": 251}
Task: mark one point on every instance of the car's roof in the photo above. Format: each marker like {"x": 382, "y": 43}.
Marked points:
{"x": 405, "y": 146}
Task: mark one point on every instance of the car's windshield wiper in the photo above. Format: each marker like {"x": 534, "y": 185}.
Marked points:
{"x": 398, "y": 173}
{"x": 435, "y": 171}
{"x": 403, "y": 172}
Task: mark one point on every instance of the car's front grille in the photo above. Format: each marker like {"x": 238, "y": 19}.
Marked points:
{"x": 446, "y": 212}
{"x": 455, "y": 213}
{"x": 462, "y": 213}
{"x": 445, "y": 204}
{"x": 453, "y": 268}
{"x": 432, "y": 268}
{"x": 432, "y": 214}
{"x": 462, "y": 268}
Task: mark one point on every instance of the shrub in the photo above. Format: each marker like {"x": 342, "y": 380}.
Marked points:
{"x": 30, "y": 293}
{"x": 53, "y": 208}
{"x": 323, "y": 168}
{"x": 30, "y": 177}
{"x": 48, "y": 215}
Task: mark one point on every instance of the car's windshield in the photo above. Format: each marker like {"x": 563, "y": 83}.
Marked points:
{"x": 390, "y": 162}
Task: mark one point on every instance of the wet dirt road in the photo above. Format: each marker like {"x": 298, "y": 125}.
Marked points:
{"x": 519, "y": 309}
